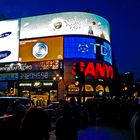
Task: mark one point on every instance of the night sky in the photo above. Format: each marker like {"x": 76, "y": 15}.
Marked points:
{"x": 123, "y": 15}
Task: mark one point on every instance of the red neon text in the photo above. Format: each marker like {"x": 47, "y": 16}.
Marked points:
{"x": 97, "y": 70}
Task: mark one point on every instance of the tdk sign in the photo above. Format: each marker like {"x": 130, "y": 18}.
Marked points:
{"x": 4, "y": 54}
{"x": 5, "y": 34}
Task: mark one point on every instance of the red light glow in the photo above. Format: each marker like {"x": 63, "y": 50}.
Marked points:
{"x": 96, "y": 70}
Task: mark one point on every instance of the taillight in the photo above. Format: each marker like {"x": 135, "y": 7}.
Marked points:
{"x": 4, "y": 117}
{"x": 5, "y": 114}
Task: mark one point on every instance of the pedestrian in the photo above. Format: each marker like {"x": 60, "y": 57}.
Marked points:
{"x": 13, "y": 123}
{"x": 135, "y": 125}
{"x": 76, "y": 110}
{"x": 66, "y": 125}
{"x": 35, "y": 125}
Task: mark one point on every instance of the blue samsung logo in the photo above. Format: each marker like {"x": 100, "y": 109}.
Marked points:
{"x": 5, "y": 34}
{"x": 4, "y": 54}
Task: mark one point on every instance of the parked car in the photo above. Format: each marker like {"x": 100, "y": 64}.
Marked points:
{"x": 8, "y": 106}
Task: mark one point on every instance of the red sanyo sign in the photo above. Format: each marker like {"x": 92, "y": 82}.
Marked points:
{"x": 97, "y": 70}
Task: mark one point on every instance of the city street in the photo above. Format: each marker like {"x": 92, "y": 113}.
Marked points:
{"x": 104, "y": 133}
{"x": 101, "y": 133}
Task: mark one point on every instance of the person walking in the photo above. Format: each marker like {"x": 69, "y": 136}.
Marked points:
{"x": 35, "y": 125}
{"x": 66, "y": 126}
{"x": 135, "y": 125}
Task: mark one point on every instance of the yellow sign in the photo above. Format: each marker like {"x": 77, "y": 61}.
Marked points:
{"x": 41, "y": 49}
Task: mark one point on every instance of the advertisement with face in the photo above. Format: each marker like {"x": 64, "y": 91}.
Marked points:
{"x": 9, "y": 40}
{"x": 65, "y": 23}
{"x": 41, "y": 49}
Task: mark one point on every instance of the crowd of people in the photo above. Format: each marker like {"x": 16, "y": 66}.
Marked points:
{"x": 35, "y": 123}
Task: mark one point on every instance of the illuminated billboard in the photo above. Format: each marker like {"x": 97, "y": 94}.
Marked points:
{"x": 65, "y": 23}
{"x": 9, "y": 40}
{"x": 88, "y": 48}
{"x": 92, "y": 70}
{"x": 40, "y": 49}
{"x": 38, "y": 75}
{"x": 31, "y": 66}
{"x": 8, "y": 76}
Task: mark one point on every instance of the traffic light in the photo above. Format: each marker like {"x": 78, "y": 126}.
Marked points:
{"x": 76, "y": 77}
{"x": 82, "y": 77}
{"x": 79, "y": 75}
{"x": 77, "y": 70}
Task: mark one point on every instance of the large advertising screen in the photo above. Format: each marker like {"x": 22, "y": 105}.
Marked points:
{"x": 88, "y": 48}
{"x": 92, "y": 70}
{"x": 9, "y": 40}
{"x": 63, "y": 24}
{"x": 41, "y": 49}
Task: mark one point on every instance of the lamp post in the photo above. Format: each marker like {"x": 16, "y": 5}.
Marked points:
{"x": 57, "y": 78}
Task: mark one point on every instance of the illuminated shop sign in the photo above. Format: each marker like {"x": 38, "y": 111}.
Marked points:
{"x": 40, "y": 75}
{"x": 25, "y": 84}
{"x": 65, "y": 23}
{"x": 9, "y": 41}
{"x": 8, "y": 76}
{"x": 47, "y": 83}
{"x": 96, "y": 70}
{"x": 15, "y": 67}
{"x": 37, "y": 84}
{"x": 33, "y": 75}
{"x": 41, "y": 49}
{"x": 4, "y": 84}
{"x": 88, "y": 48}
{"x": 31, "y": 66}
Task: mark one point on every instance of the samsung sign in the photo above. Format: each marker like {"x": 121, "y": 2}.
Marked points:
{"x": 4, "y": 54}
{"x": 9, "y": 41}
{"x": 5, "y": 34}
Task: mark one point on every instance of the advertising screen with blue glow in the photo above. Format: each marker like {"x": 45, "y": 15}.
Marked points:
{"x": 88, "y": 48}
{"x": 3, "y": 87}
{"x": 79, "y": 47}
{"x": 106, "y": 52}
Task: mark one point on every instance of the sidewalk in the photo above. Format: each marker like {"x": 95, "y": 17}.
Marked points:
{"x": 104, "y": 133}
{"x": 100, "y": 133}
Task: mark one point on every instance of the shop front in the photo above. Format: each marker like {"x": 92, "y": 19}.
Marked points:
{"x": 32, "y": 79}
{"x": 41, "y": 91}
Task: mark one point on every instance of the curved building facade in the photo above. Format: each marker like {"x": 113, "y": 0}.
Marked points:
{"x": 38, "y": 55}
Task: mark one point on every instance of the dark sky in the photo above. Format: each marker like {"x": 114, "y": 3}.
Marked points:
{"x": 123, "y": 15}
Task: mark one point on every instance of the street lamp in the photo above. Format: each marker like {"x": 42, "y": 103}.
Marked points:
{"x": 58, "y": 78}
